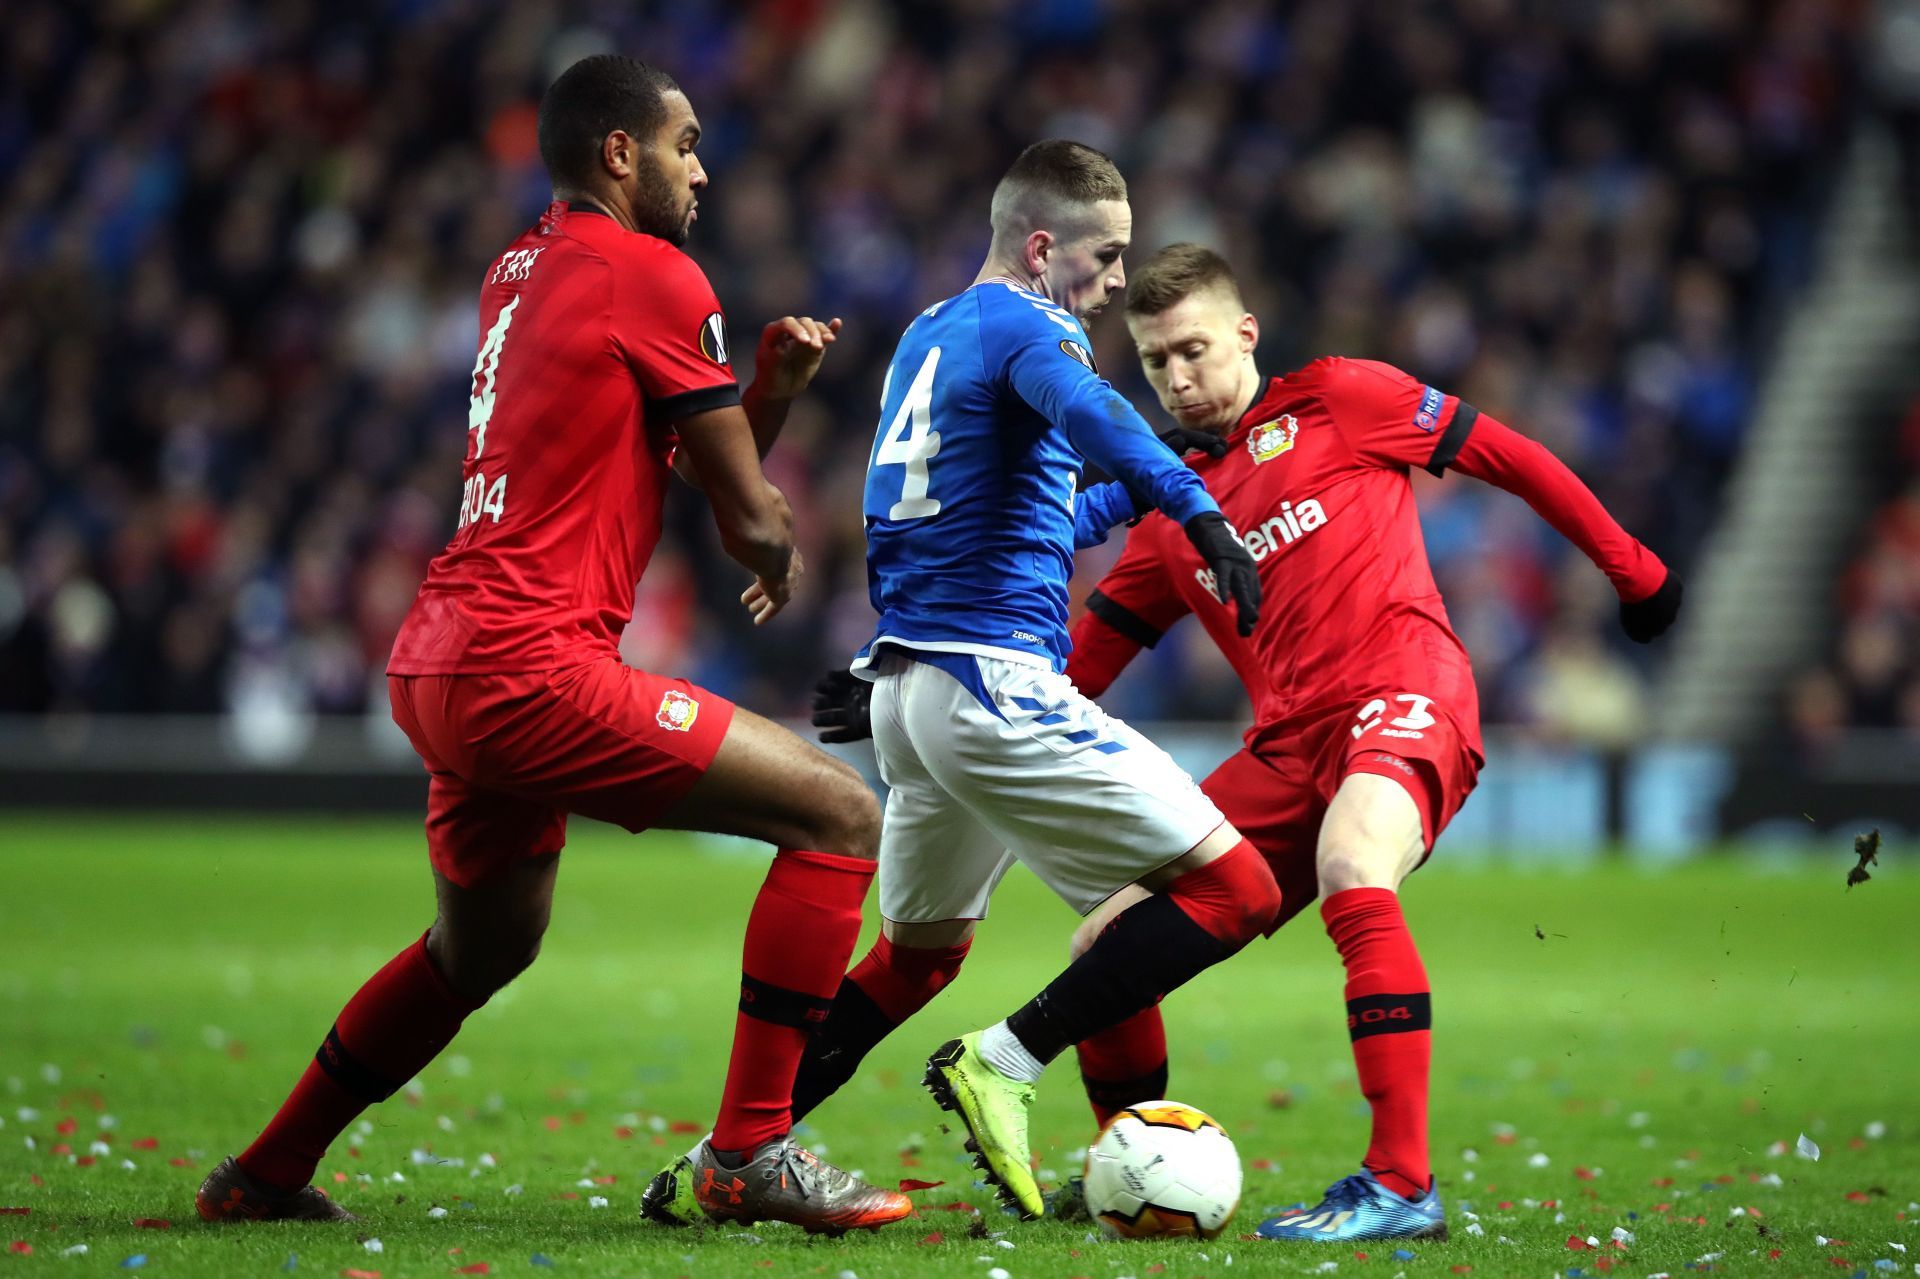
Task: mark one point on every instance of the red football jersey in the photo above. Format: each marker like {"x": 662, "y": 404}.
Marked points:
{"x": 1316, "y": 481}
{"x": 595, "y": 341}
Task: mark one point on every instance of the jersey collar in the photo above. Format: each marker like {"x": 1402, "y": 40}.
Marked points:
{"x": 1264, "y": 400}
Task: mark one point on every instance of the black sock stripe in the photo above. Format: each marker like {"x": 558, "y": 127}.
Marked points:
{"x": 763, "y": 1001}
{"x": 1389, "y": 1014}
{"x": 1117, "y": 1094}
{"x": 350, "y": 1072}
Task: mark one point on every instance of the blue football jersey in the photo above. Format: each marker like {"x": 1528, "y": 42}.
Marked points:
{"x": 991, "y": 411}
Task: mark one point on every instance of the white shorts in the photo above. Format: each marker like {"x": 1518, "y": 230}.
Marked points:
{"x": 1019, "y": 766}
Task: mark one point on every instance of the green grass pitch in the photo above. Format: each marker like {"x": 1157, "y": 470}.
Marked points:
{"x": 164, "y": 979}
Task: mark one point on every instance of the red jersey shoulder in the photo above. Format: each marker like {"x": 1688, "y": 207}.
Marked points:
{"x": 1353, "y": 383}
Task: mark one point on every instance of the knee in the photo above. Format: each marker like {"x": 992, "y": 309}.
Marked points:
{"x": 1344, "y": 866}
{"x": 846, "y": 817}
{"x": 478, "y": 967}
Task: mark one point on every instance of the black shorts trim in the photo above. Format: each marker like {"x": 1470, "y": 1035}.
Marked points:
{"x": 1455, "y": 437}
{"x": 674, "y": 408}
{"x": 1124, "y": 620}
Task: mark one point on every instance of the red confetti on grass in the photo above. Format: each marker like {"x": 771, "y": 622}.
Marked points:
{"x": 86, "y": 1161}
{"x": 1156, "y": 1267}
{"x": 1773, "y": 1254}
{"x": 477, "y": 1268}
{"x": 14, "y": 1212}
{"x": 179, "y": 1161}
{"x": 62, "y": 1149}
{"x": 958, "y": 1205}
{"x": 1261, "y": 1165}
{"x": 606, "y": 1180}
{"x": 1359, "y": 1256}
{"x": 932, "y": 1239}
{"x": 623, "y": 1132}
{"x": 552, "y": 1122}
{"x": 1576, "y": 1244}
{"x": 1859, "y": 1197}
{"x": 153, "y": 1223}
{"x": 360, "y": 1274}
{"x": 1663, "y": 1182}
{"x": 1458, "y": 1270}
{"x": 908, "y": 1184}
{"x": 66, "y": 1127}
{"x": 684, "y": 1125}
{"x": 1584, "y": 1174}
{"x": 22, "y": 1247}
{"x": 1838, "y": 1261}
{"x": 340, "y": 1176}
{"x": 146, "y": 1143}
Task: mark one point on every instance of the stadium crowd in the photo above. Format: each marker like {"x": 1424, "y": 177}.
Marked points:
{"x": 1872, "y": 676}
{"x": 240, "y": 247}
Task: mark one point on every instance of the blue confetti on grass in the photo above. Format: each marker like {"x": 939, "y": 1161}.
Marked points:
{"x": 134, "y": 1262}
{"x": 1401, "y": 1254}
{"x": 541, "y": 1259}
{"x": 293, "y": 1259}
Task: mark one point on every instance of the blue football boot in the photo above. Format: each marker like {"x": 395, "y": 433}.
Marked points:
{"x": 1357, "y": 1208}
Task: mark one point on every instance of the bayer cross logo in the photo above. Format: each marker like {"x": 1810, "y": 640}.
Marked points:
{"x": 713, "y": 338}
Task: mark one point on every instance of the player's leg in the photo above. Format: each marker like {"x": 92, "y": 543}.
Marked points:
{"x": 1268, "y": 798}
{"x": 937, "y": 870}
{"x": 493, "y": 910}
{"x": 1091, "y": 806}
{"x": 1371, "y": 840}
{"x": 1382, "y": 821}
{"x": 766, "y": 783}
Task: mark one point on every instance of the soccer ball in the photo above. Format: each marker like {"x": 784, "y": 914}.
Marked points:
{"x": 1163, "y": 1168}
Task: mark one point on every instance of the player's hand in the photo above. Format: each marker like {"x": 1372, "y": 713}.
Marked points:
{"x": 791, "y": 349}
{"x": 842, "y": 707}
{"x": 1235, "y": 579}
{"x": 1645, "y": 620}
{"x": 1183, "y": 441}
{"x": 765, "y": 598}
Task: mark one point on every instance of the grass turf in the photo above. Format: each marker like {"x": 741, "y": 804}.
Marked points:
{"x": 165, "y": 979}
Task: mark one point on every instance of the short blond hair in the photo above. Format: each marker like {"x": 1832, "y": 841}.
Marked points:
{"x": 1053, "y": 185}
{"x": 1176, "y": 273}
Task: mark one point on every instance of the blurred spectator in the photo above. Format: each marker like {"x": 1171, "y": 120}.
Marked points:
{"x": 240, "y": 247}
{"x": 1872, "y": 679}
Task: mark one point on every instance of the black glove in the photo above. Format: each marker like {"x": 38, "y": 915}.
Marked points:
{"x": 1183, "y": 441}
{"x": 1234, "y": 575}
{"x": 1644, "y": 619}
{"x": 840, "y": 707}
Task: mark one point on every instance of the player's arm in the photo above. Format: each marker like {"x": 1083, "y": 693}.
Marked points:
{"x": 754, "y": 520}
{"x": 1649, "y": 591}
{"x": 1062, "y": 387}
{"x": 668, "y": 326}
{"x": 1131, "y": 608}
{"x": 790, "y": 352}
{"x": 1392, "y": 420}
{"x": 1098, "y": 509}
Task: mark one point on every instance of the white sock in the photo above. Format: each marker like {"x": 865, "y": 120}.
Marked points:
{"x": 1003, "y": 1051}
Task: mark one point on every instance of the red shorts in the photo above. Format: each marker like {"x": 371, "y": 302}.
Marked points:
{"x": 1276, "y": 790}
{"x": 511, "y": 755}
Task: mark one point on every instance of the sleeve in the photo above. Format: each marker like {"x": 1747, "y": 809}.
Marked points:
{"x": 1388, "y": 418}
{"x": 1131, "y": 608}
{"x": 1050, "y": 366}
{"x": 1097, "y": 510}
{"x": 1527, "y": 469}
{"x": 669, "y": 327}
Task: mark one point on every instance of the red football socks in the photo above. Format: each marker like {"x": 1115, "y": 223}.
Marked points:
{"x": 392, "y": 1027}
{"x": 901, "y": 980}
{"x": 799, "y": 936}
{"x": 1125, "y": 1064}
{"x": 1390, "y": 1018}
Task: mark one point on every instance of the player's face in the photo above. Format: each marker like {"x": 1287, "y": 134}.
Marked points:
{"x": 1194, "y": 353}
{"x": 668, "y": 180}
{"x": 1085, "y": 272}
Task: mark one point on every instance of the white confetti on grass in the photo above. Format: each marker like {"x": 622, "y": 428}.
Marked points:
{"x": 596, "y": 1201}
{"x": 1622, "y": 1235}
{"x": 999, "y": 1272}
{"x": 435, "y": 1213}
{"x": 78, "y": 1250}
{"x": 1806, "y": 1148}
{"x": 1475, "y": 1228}
{"x": 374, "y": 1245}
{"x": 1876, "y": 1130}
{"x": 515, "y": 1189}
{"x": 1538, "y": 1159}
